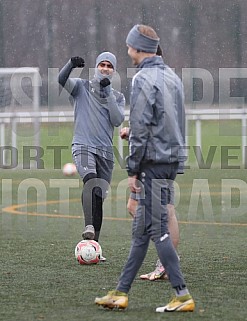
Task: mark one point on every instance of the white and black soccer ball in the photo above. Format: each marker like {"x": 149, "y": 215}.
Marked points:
{"x": 88, "y": 252}
{"x": 69, "y": 169}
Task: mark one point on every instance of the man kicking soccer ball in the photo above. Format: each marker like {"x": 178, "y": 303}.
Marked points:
{"x": 98, "y": 109}
{"x": 156, "y": 147}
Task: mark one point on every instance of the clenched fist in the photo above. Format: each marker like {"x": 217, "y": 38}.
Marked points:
{"x": 105, "y": 82}
{"x": 77, "y": 62}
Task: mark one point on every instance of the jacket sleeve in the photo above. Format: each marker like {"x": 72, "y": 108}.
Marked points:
{"x": 70, "y": 84}
{"x": 116, "y": 108}
{"x": 141, "y": 116}
{"x": 179, "y": 99}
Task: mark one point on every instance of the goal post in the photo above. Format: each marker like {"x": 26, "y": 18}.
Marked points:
{"x": 19, "y": 92}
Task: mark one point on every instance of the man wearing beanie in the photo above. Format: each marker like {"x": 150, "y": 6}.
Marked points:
{"x": 98, "y": 108}
{"x": 159, "y": 273}
{"x": 156, "y": 148}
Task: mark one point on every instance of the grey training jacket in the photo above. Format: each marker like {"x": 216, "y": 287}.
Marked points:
{"x": 157, "y": 130}
{"x": 97, "y": 111}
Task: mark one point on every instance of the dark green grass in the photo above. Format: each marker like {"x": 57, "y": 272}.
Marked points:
{"x": 221, "y": 144}
{"x": 40, "y": 279}
{"x": 218, "y": 137}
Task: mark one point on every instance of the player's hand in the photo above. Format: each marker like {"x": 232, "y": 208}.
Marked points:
{"x": 131, "y": 206}
{"x": 124, "y": 132}
{"x": 105, "y": 82}
{"x": 77, "y": 62}
{"x": 133, "y": 184}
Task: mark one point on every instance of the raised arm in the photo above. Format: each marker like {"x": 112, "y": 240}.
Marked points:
{"x": 63, "y": 78}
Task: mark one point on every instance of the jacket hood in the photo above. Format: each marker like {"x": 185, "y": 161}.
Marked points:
{"x": 152, "y": 62}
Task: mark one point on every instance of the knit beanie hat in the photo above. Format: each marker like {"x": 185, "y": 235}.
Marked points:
{"x": 107, "y": 56}
{"x": 141, "y": 42}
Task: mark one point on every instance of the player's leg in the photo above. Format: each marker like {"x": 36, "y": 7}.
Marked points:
{"x": 182, "y": 301}
{"x": 104, "y": 168}
{"x": 98, "y": 217}
{"x": 160, "y": 235}
{"x": 89, "y": 205}
{"x": 162, "y": 239}
{"x": 119, "y": 298}
{"x": 86, "y": 166}
{"x": 159, "y": 272}
{"x": 172, "y": 218}
{"x": 156, "y": 213}
{"x": 173, "y": 225}
{"x": 137, "y": 254}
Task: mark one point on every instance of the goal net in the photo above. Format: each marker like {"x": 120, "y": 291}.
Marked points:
{"x": 19, "y": 95}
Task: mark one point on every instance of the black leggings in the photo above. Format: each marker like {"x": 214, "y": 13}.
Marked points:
{"x": 92, "y": 203}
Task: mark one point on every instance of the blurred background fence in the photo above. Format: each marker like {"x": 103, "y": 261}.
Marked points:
{"x": 204, "y": 41}
{"x": 194, "y": 34}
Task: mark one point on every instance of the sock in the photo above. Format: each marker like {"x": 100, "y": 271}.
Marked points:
{"x": 181, "y": 290}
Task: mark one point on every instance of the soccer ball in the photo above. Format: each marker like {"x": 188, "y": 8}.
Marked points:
{"x": 69, "y": 169}
{"x": 88, "y": 252}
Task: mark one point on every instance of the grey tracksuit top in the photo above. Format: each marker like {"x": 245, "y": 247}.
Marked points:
{"x": 157, "y": 119}
{"x": 97, "y": 111}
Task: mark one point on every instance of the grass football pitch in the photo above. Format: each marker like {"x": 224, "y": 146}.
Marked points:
{"x": 41, "y": 222}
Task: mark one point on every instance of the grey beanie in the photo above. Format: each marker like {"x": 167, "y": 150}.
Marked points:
{"x": 107, "y": 56}
{"x": 138, "y": 41}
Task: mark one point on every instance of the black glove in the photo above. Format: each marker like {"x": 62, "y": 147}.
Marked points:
{"x": 105, "y": 82}
{"x": 77, "y": 62}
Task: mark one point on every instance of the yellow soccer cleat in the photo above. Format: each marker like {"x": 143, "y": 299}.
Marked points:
{"x": 183, "y": 303}
{"x": 114, "y": 299}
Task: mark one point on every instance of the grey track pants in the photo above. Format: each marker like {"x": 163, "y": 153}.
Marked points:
{"x": 151, "y": 223}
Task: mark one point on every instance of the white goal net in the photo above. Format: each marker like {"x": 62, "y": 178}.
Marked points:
{"x": 19, "y": 95}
